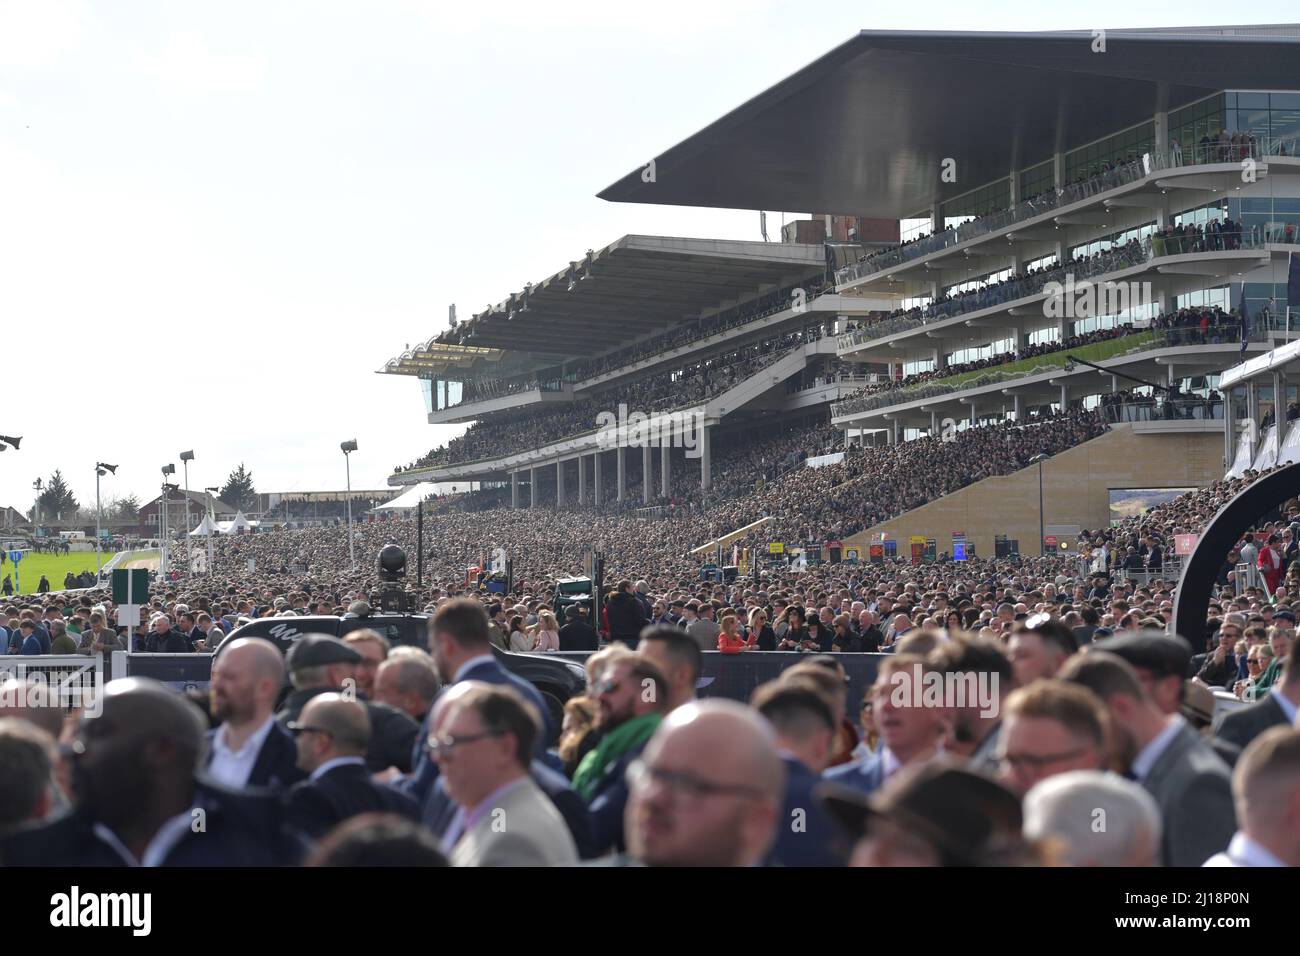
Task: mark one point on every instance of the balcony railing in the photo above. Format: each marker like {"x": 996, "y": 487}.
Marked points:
{"x": 1055, "y": 362}
{"x": 1163, "y": 409}
{"x": 1121, "y": 175}
{"x": 1121, "y": 258}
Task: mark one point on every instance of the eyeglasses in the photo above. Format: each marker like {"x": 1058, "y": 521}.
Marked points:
{"x": 446, "y": 744}
{"x": 640, "y": 775}
{"x": 1253, "y": 662}
{"x": 1037, "y": 761}
{"x": 608, "y": 686}
{"x": 296, "y": 728}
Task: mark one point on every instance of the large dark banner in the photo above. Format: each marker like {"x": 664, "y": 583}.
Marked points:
{"x": 725, "y": 675}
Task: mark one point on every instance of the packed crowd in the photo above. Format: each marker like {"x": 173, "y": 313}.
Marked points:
{"x": 1216, "y": 235}
{"x": 1005, "y": 288}
{"x": 1086, "y": 699}
{"x": 1078, "y": 698}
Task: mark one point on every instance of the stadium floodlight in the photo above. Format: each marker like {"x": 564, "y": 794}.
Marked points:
{"x": 101, "y": 469}
{"x": 186, "y": 458}
{"x": 7, "y": 440}
{"x": 349, "y": 447}
{"x": 1042, "y": 531}
{"x": 169, "y": 469}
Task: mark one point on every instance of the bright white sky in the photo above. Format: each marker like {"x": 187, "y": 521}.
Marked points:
{"x": 217, "y": 220}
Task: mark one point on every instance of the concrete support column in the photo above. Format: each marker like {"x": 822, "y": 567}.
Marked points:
{"x": 514, "y": 489}
{"x": 1279, "y": 404}
{"x": 1229, "y": 429}
{"x": 1058, "y": 169}
{"x": 665, "y": 470}
{"x": 1172, "y": 374}
{"x": 1018, "y": 412}
{"x": 559, "y": 482}
{"x": 1252, "y": 403}
{"x": 1013, "y": 180}
{"x": 595, "y": 478}
{"x": 940, "y": 357}
{"x": 532, "y": 487}
{"x": 706, "y": 459}
{"x": 934, "y": 423}
{"x": 621, "y": 457}
{"x": 974, "y": 417}
{"x": 1161, "y": 131}
{"x": 936, "y": 218}
{"x": 1114, "y": 384}
{"x": 646, "y": 453}
{"x": 1065, "y": 397}
{"x": 582, "y": 481}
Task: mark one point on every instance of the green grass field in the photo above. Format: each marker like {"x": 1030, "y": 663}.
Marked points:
{"x": 53, "y": 566}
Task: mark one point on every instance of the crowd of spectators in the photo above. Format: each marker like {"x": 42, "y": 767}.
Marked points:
{"x": 690, "y": 384}
{"x": 1090, "y": 701}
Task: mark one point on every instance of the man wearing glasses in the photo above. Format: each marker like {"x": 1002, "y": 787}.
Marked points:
{"x": 708, "y": 789}
{"x": 1277, "y": 707}
{"x": 1050, "y": 727}
{"x": 1221, "y": 667}
{"x": 332, "y": 734}
{"x": 484, "y": 747}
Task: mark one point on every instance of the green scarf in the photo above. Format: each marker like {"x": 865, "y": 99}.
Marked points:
{"x": 596, "y": 764}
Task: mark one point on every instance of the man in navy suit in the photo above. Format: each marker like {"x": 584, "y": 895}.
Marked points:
{"x": 332, "y": 734}
{"x": 910, "y": 733}
{"x": 805, "y": 733}
{"x": 458, "y": 640}
{"x": 251, "y": 747}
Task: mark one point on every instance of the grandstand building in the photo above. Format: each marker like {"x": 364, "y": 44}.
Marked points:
{"x": 1112, "y": 234}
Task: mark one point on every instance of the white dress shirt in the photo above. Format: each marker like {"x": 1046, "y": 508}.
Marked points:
{"x": 163, "y": 842}
{"x": 1147, "y": 757}
{"x": 1243, "y": 851}
{"x": 233, "y": 767}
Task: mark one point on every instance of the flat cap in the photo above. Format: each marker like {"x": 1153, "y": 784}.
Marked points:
{"x": 318, "y": 650}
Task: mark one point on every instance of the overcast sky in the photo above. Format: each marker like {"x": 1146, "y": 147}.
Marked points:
{"x": 218, "y": 219}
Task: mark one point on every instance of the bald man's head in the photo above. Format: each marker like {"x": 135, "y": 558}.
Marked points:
{"x": 330, "y": 726}
{"x": 708, "y": 789}
{"x": 246, "y": 679}
{"x": 138, "y": 757}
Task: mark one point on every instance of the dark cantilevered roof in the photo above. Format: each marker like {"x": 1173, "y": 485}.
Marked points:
{"x": 865, "y": 129}
{"x": 637, "y": 286}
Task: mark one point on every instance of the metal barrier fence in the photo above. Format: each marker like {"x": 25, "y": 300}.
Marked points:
{"x": 72, "y": 681}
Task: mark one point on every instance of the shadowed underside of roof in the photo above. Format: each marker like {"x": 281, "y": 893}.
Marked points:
{"x": 865, "y": 129}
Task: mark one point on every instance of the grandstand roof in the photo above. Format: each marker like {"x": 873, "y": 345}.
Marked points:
{"x": 864, "y": 129}
{"x": 634, "y": 287}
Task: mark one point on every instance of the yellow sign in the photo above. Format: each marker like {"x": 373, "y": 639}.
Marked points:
{"x": 776, "y": 547}
{"x": 918, "y": 539}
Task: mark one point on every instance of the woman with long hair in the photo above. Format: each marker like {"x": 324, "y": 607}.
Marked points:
{"x": 519, "y": 639}
{"x": 546, "y": 633}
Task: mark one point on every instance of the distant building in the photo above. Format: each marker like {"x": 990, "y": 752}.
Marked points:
{"x": 148, "y": 521}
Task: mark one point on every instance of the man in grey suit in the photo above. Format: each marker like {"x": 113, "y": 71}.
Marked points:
{"x": 1277, "y": 707}
{"x": 483, "y": 748}
{"x": 1189, "y": 782}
